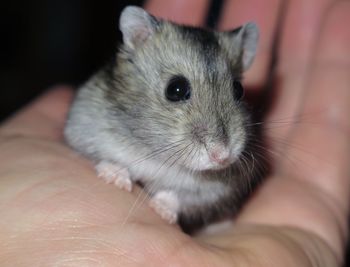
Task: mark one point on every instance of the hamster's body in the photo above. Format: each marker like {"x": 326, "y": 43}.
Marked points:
{"x": 166, "y": 112}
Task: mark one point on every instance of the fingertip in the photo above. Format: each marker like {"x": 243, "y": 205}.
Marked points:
{"x": 62, "y": 91}
{"x": 44, "y": 117}
{"x": 265, "y": 14}
{"x": 54, "y": 102}
{"x": 336, "y": 29}
{"x": 181, "y": 11}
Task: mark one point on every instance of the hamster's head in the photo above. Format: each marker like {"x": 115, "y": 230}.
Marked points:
{"x": 182, "y": 91}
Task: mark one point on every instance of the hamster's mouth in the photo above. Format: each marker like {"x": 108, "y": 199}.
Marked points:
{"x": 222, "y": 166}
{"x": 212, "y": 165}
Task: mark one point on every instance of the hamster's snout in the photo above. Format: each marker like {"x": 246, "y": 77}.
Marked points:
{"x": 212, "y": 156}
{"x": 214, "y": 150}
{"x": 220, "y": 155}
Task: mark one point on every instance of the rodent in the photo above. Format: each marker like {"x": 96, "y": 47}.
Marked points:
{"x": 167, "y": 112}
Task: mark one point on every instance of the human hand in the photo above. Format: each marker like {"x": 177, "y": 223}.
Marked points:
{"x": 54, "y": 211}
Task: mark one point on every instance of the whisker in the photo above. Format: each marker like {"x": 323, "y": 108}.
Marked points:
{"x": 154, "y": 184}
{"x": 138, "y": 202}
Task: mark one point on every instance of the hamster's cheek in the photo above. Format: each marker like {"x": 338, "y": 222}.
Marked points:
{"x": 238, "y": 142}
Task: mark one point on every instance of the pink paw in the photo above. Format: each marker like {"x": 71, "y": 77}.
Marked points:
{"x": 113, "y": 173}
{"x": 166, "y": 204}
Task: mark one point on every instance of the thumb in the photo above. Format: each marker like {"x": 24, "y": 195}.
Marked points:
{"x": 44, "y": 117}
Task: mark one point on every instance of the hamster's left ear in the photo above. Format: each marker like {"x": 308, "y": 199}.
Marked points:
{"x": 242, "y": 43}
{"x": 136, "y": 25}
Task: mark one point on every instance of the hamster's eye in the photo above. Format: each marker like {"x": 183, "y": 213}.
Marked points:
{"x": 238, "y": 90}
{"x": 178, "y": 89}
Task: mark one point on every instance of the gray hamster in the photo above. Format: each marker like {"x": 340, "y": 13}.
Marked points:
{"x": 167, "y": 112}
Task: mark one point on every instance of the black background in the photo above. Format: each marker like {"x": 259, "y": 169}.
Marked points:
{"x": 44, "y": 43}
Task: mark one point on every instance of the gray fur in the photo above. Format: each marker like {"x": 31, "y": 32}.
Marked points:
{"x": 121, "y": 114}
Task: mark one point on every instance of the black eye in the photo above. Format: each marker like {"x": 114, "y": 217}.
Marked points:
{"x": 238, "y": 90}
{"x": 178, "y": 89}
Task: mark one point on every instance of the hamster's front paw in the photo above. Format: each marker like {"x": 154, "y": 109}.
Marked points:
{"x": 166, "y": 204}
{"x": 114, "y": 173}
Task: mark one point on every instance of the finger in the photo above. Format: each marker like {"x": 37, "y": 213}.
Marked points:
{"x": 328, "y": 97}
{"x": 314, "y": 193}
{"x": 298, "y": 40}
{"x": 44, "y": 117}
{"x": 181, "y": 11}
{"x": 265, "y": 14}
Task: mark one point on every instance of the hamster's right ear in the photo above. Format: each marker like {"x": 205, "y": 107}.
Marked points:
{"x": 137, "y": 26}
{"x": 242, "y": 43}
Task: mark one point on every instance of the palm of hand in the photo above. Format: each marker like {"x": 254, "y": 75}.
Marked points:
{"x": 55, "y": 211}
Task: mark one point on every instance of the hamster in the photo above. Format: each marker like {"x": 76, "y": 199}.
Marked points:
{"x": 167, "y": 112}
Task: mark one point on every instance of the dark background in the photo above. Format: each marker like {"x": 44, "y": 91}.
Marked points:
{"x": 45, "y": 42}
{"x": 49, "y": 42}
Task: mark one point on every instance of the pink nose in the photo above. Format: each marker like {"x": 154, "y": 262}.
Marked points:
{"x": 220, "y": 155}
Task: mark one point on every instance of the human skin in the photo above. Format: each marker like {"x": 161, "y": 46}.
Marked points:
{"x": 55, "y": 212}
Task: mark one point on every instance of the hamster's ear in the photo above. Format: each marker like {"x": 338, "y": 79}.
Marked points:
{"x": 242, "y": 43}
{"x": 136, "y": 25}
